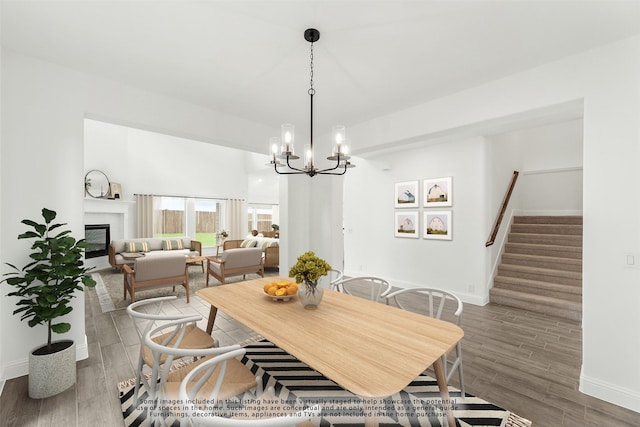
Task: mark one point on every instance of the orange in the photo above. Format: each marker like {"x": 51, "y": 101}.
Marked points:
{"x": 292, "y": 289}
{"x": 280, "y": 292}
{"x": 267, "y": 286}
{"x": 272, "y": 290}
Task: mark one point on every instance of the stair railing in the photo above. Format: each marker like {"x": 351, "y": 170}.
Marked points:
{"x": 503, "y": 209}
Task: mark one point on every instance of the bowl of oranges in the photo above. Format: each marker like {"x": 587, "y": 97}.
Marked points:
{"x": 281, "y": 290}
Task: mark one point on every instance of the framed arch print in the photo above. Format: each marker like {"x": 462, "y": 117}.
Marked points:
{"x": 407, "y": 194}
{"x": 437, "y": 192}
{"x": 407, "y": 225}
{"x": 436, "y": 225}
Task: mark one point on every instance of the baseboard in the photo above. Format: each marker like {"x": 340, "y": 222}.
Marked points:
{"x": 611, "y": 393}
{"x": 20, "y": 367}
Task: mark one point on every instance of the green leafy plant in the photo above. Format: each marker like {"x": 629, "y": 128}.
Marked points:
{"x": 309, "y": 267}
{"x": 46, "y": 284}
{"x": 275, "y": 227}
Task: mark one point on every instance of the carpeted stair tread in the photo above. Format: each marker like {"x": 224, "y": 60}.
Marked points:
{"x": 552, "y": 306}
{"x": 541, "y": 261}
{"x": 556, "y": 229}
{"x": 546, "y": 239}
{"x": 549, "y": 289}
{"x": 573, "y": 252}
{"x": 527, "y": 272}
{"x": 502, "y": 281}
{"x": 548, "y": 219}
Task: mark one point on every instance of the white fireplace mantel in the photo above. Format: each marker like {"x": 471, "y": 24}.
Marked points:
{"x": 117, "y": 207}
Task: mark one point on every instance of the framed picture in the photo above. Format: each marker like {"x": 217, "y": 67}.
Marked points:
{"x": 407, "y": 225}
{"x": 407, "y": 194}
{"x": 437, "y": 225}
{"x": 437, "y": 192}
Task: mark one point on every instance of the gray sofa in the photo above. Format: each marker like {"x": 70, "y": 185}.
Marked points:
{"x": 121, "y": 252}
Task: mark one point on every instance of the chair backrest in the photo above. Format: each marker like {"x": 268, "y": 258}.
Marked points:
{"x": 170, "y": 348}
{"x": 159, "y": 267}
{"x": 430, "y": 301}
{"x": 149, "y": 310}
{"x": 191, "y": 390}
{"x": 241, "y": 257}
{"x": 370, "y": 287}
{"x": 335, "y": 276}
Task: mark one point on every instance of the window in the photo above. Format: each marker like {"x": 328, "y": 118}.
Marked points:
{"x": 169, "y": 216}
{"x": 187, "y": 216}
{"x": 261, "y": 217}
{"x": 207, "y": 220}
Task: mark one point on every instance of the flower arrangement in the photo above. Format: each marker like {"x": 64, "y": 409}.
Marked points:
{"x": 309, "y": 268}
{"x": 223, "y": 233}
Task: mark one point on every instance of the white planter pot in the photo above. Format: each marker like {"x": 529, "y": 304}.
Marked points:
{"x": 50, "y": 374}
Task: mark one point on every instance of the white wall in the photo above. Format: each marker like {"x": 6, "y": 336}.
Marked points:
{"x": 146, "y": 162}
{"x": 44, "y": 107}
{"x": 549, "y": 159}
{"x": 370, "y": 246}
{"x": 607, "y": 80}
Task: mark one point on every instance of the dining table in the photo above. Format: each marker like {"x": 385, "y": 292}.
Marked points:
{"x": 371, "y": 349}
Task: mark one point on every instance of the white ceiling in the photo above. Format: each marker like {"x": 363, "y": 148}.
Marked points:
{"x": 249, "y": 58}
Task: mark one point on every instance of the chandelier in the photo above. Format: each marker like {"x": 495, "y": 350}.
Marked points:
{"x": 282, "y": 151}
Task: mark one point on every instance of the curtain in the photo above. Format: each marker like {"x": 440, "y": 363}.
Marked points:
{"x": 233, "y": 218}
{"x": 144, "y": 215}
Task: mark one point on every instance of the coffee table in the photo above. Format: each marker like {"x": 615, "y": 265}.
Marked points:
{"x": 195, "y": 260}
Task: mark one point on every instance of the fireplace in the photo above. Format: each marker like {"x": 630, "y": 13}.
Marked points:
{"x": 98, "y": 238}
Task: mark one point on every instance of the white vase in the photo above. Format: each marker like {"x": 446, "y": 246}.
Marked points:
{"x": 310, "y": 294}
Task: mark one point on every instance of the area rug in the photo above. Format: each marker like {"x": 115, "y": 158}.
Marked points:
{"x": 109, "y": 287}
{"x": 419, "y": 404}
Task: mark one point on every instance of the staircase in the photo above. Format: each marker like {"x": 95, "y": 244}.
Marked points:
{"x": 541, "y": 266}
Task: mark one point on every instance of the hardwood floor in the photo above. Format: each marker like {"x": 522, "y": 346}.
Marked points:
{"x": 527, "y": 363}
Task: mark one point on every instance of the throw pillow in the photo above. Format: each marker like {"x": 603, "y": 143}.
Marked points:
{"x": 136, "y": 247}
{"x": 170, "y": 245}
{"x": 246, "y": 243}
{"x": 269, "y": 244}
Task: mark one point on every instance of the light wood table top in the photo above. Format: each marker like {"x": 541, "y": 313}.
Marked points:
{"x": 371, "y": 349}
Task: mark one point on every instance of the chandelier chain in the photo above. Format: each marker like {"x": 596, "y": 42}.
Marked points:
{"x": 312, "y": 91}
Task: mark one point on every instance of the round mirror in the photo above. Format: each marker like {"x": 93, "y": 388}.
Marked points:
{"x": 96, "y": 184}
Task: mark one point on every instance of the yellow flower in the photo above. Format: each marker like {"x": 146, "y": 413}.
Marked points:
{"x": 309, "y": 267}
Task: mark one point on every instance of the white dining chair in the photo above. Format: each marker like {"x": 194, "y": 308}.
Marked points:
{"x": 369, "y": 287}
{"x": 434, "y": 303}
{"x": 145, "y": 315}
{"x": 335, "y": 276}
{"x": 165, "y": 378}
{"x": 193, "y": 390}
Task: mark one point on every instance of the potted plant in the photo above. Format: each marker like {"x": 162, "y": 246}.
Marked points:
{"x": 45, "y": 287}
{"x": 307, "y": 270}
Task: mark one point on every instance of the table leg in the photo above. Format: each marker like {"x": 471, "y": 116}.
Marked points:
{"x": 212, "y": 318}
{"x": 441, "y": 378}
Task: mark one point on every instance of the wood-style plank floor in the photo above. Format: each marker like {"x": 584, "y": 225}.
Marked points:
{"x": 527, "y": 363}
